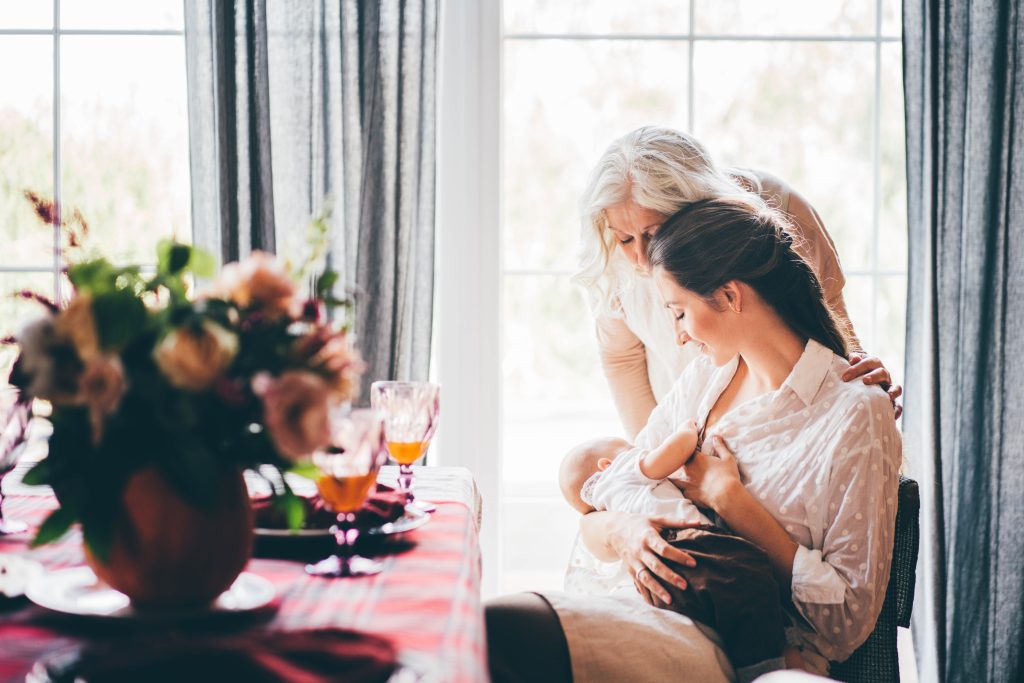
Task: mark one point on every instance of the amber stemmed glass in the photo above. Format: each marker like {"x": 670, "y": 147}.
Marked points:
{"x": 411, "y": 411}
{"x": 14, "y": 419}
{"x": 348, "y": 469}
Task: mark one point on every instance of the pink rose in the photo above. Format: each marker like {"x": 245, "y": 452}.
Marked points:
{"x": 49, "y": 363}
{"x": 100, "y": 388}
{"x": 76, "y": 323}
{"x": 260, "y": 283}
{"x": 296, "y": 411}
{"x": 194, "y": 359}
{"x": 331, "y": 353}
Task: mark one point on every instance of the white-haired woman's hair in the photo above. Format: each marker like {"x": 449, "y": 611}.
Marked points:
{"x": 656, "y": 168}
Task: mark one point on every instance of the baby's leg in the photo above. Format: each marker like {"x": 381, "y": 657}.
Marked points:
{"x": 794, "y": 660}
{"x": 733, "y": 590}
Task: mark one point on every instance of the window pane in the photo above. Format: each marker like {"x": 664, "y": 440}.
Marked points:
{"x": 564, "y": 102}
{"x": 784, "y": 17}
{"x": 892, "y": 228}
{"x": 769, "y": 106}
{"x": 892, "y": 18}
{"x": 596, "y": 16}
{"x": 25, "y": 14}
{"x": 892, "y": 324}
{"x": 125, "y": 141}
{"x": 857, "y": 294}
{"x": 122, "y": 14}
{"x": 551, "y": 373}
{"x": 16, "y": 312}
{"x": 554, "y": 397}
{"x": 26, "y": 147}
{"x": 550, "y": 352}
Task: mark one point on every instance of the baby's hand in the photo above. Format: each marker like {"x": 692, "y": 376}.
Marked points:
{"x": 685, "y": 437}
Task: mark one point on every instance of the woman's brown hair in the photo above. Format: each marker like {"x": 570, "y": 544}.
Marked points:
{"x": 708, "y": 243}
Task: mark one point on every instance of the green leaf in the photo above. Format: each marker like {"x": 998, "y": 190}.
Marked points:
{"x": 39, "y": 475}
{"x": 53, "y": 527}
{"x": 94, "y": 277}
{"x": 172, "y": 257}
{"x": 98, "y": 534}
{"x": 306, "y": 469}
{"x": 203, "y": 263}
{"x": 120, "y": 317}
{"x": 294, "y": 510}
{"x": 325, "y": 283}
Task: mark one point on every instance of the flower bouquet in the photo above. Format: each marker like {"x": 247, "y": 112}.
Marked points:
{"x": 160, "y": 396}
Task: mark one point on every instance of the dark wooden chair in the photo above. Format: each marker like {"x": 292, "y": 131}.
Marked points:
{"x": 876, "y": 661}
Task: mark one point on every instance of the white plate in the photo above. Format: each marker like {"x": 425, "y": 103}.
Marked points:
{"x": 77, "y": 592}
{"x": 288, "y": 533}
{"x": 412, "y": 519}
{"x": 16, "y": 573}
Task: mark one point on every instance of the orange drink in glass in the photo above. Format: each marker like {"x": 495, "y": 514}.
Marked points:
{"x": 407, "y": 452}
{"x": 411, "y": 411}
{"x": 348, "y": 469}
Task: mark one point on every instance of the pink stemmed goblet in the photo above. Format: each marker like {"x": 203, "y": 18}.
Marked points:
{"x": 348, "y": 471}
{"x": 411, "y": 411}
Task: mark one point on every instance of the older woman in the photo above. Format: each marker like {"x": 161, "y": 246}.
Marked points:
{"x": 641, "y": 179}
{"x": 795, "y": 460}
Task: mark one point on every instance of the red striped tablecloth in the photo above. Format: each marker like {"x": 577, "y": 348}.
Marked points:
{"x": 426, "y": 601}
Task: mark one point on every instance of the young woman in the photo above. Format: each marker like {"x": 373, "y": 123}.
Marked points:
{"x": 641, "y": 179}
{"x": 793, "y": 459}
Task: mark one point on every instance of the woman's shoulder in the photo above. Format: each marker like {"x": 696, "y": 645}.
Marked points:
{"x": 773, "y": 189}
{"x": 854, "y": 392}
{"x": 859, "y": 412}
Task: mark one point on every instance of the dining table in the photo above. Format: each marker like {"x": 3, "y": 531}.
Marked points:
{"x": 426, "y": 601}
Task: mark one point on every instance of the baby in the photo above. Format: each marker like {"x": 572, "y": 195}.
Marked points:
{"x": 732, "y": 588}
{"x": 595, "y": 478}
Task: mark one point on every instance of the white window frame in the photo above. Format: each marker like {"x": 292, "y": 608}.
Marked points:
{"x": 468, "y": 302}
{"x": 57, "y": 33}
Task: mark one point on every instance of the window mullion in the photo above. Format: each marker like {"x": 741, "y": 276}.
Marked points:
{"x": 690, "y": 111}
{"x": 876, "y": 283}
{"x": 58, "y": 256}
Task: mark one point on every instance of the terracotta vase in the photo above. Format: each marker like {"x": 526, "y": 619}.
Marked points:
{"x": 167, "y": 553}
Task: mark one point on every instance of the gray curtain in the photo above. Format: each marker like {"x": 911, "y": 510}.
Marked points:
{"x": 964, "y": 87}
{"x": 300, "y": 107}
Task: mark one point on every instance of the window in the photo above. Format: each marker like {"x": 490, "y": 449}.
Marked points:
{"x": 807, "y": 90}
{"x": 95, "y": 116}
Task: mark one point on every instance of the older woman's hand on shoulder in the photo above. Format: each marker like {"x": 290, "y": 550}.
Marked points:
{"x": 874, "y": 372}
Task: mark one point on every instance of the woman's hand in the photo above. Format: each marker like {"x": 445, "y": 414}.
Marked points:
{"x": 715, "y": 482}
{"x": 873, "y": 372}
{"x": 708, "y": 480}
{"x": 638, "y": 542}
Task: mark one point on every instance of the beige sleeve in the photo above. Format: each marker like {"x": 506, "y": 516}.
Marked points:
{"x": 624, "y": 360}
{"x": 816, "y": 246}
